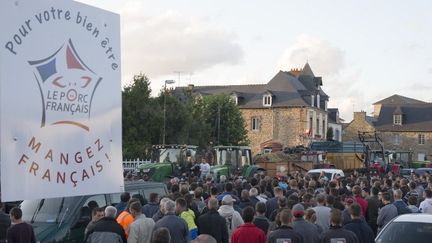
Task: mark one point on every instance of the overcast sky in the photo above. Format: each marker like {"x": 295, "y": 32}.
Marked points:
{"x": 364, "y": 50}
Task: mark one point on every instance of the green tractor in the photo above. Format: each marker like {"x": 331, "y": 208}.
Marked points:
{"x": 167, "y": 161}
{"x": 233, "y": 160}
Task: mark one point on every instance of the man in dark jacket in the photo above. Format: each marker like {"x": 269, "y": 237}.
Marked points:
{"x": 272, "y": 204}
{"x": 124, "y": 199}
{"x": 336, "y": 232}
{"x": 373, "y": 206}
{"x": 107, "y": 229}
{"x": 306, "y": 229}
{"x": 5, "y": 222}
{"x": 358, "y": 226}
{"x": 260, "y": 220}
{"x": 212, "y": 223}
{"x": 152, "y": 207}
{"x": 284, "y": 232}
{"x": 402, "y": 207}
{"x": 177, "y": 226}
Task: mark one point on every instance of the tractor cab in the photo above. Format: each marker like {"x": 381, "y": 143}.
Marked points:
{"x": 232, "y": 160}
{"x": 168, "y": 161}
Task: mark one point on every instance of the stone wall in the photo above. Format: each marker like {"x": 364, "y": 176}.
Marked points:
{"x": 286, "y": 126}
{"x": 265, "y": 131}
{"x": 359, "y": 123}
{"x": 408, "y": 141}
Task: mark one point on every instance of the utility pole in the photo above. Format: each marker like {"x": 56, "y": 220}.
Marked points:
{"x": 164, "y": 110}
{"x": 179, "y": 75}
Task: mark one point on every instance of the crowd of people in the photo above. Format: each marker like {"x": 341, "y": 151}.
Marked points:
{"x": 294, "y": 208}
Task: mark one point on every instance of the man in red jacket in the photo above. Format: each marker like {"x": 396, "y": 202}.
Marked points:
{"x": 248, "y": 232}
{"x": 360, "y": 200}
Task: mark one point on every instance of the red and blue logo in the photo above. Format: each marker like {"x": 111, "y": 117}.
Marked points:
{"x": 67, "y": 87}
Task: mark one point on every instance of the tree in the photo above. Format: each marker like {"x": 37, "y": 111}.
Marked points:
{"x": 141, "y": 118}
{"x": 225, "y": 120}
{"x": 330, "y": 134}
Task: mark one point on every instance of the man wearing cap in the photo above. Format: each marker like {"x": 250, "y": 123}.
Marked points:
{"x": 232, "y": 217}
{"x": 304, "y": 228}
{"x": 336, "y": 232}
{"x": 285, "y": 232}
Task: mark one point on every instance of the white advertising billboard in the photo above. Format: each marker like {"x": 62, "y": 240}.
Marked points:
{"x": 60, "y": 94}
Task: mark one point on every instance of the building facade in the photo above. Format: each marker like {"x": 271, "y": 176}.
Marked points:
{"x": 404, "y": 124}
{"x": 290, "y": 110}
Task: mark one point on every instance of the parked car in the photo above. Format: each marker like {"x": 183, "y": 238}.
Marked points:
{"x": 65, "y": 219}
{"x": 406, "y": 172}
{"x": 421, "y": 171}
{"x": 329, "y": 173}
{"x": 407, "y": 228}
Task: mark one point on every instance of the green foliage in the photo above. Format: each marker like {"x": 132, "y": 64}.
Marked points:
{"x": 330, "y": 134}
{"x": 227, "y": 125}
{"x": 141, "y": 118}
{"x": 193, "y": 121}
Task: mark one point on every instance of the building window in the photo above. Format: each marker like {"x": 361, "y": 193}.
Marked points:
{"x": 317, "y": 128}
{"x": 397, "y": 119}
{"x": 312, "y": 100}
{"x": 396, "y": 139}
{"x": 421, "y": 156}
{"x": 421, "y": 138}
{"x": 255, "y": 124}
{"x": 267, "y": 100}
{"x": 318, "y": 101}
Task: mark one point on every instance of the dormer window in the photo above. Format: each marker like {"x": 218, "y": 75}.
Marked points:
{"x": 397, "y": 119}
{"x": 234, "y": 99}
{"x": 267, "y": 100}
{"x": 312, "y": 100}
{"x": 318, "y": 101}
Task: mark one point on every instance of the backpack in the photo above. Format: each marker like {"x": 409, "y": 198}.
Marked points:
{"x": 228, "y": 221}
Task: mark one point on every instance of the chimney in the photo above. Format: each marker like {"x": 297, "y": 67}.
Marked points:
{"x": 360, "y": 116}
{"x": 190, "y": 87}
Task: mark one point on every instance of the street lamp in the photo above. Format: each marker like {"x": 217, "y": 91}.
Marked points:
{"x": 164, "y": 109}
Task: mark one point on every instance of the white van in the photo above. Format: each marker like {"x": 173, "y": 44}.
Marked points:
{"x": 329, "y": 173}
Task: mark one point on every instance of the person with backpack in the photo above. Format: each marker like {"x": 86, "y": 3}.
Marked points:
{"x": 231, "y": 216}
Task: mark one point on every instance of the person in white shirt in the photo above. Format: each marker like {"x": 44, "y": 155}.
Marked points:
{"x": 204, "y": 168}
{"x": 426, "y": 205}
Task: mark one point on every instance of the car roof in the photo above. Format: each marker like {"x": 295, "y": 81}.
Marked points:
{"x": 325, "y": 170}
{"x": 426, "y": 168}
{"x": 414, "y": 217}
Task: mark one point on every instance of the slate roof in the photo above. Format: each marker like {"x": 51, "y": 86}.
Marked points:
{"x": 415, "y": 118}
{"x": 398, "y": 100}
{"x": 287, "y": 90}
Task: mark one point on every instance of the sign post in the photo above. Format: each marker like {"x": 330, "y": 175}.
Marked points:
{"x": 60, "y": 100}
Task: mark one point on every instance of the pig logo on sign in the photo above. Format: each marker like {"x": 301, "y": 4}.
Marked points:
{"x": 67, "y": 87}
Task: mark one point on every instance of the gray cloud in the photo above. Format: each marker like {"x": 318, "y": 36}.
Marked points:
{"x": 322, "y": 55}
{"x": 159, "y": 45}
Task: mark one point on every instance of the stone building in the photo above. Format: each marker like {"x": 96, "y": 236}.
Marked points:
{"x": 361, "y": 122}
{"x": 404, "y": 124}
{"x": 289, "y": 110}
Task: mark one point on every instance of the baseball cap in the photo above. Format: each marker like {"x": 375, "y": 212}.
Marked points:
{"x": 298, "y": 210}
{"x": 228, "y": 199}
